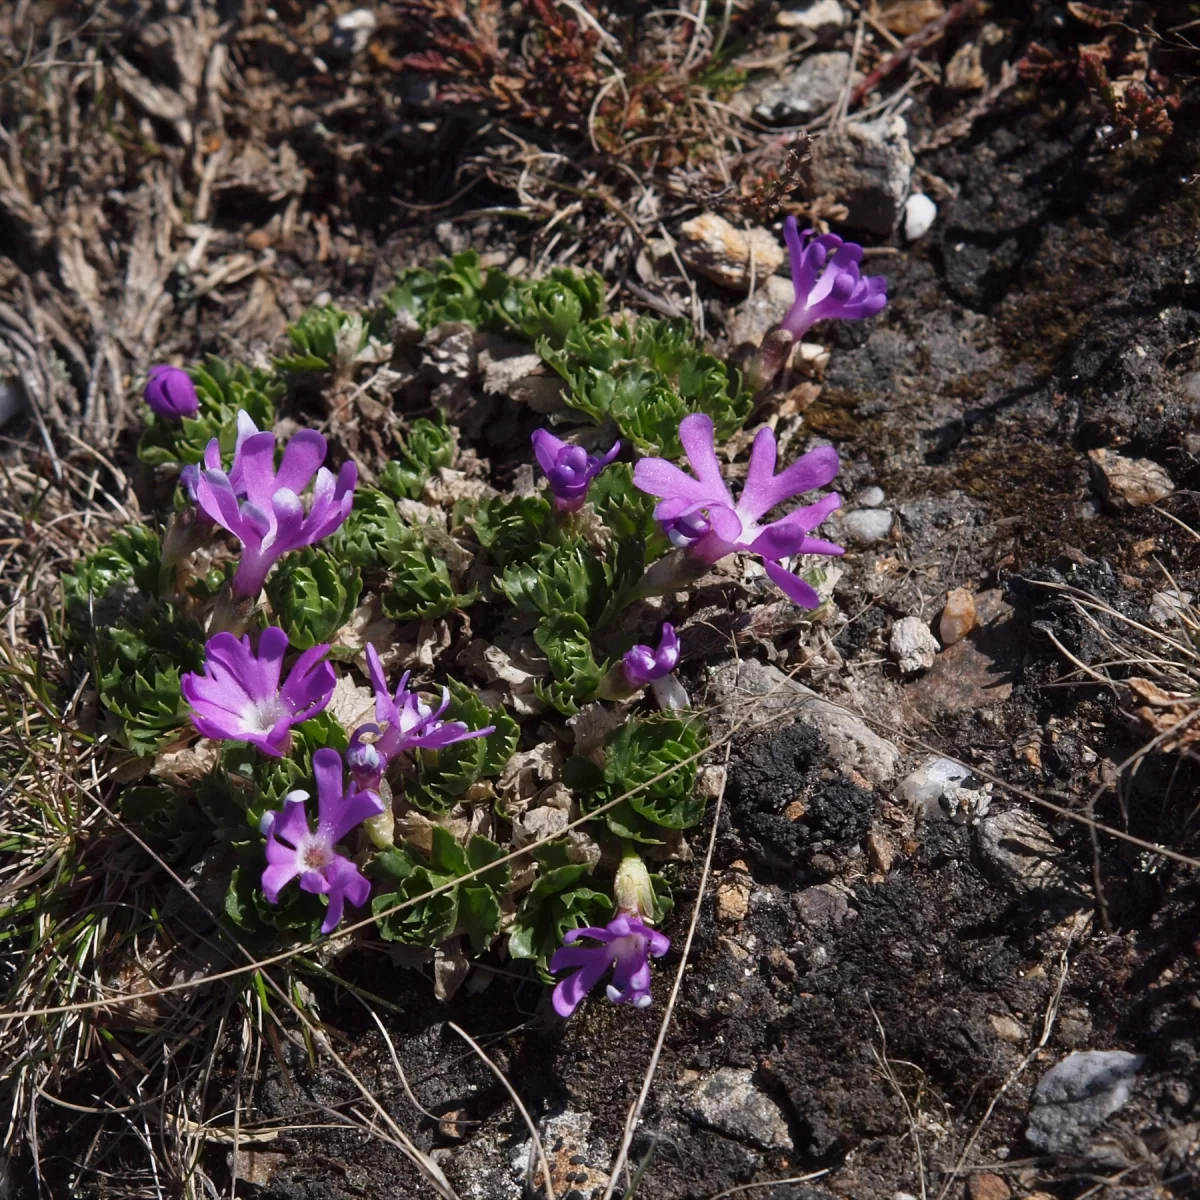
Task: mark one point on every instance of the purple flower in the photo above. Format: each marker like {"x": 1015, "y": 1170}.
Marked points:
{"x": 366, "y": 763}
{"x": 626, "y": 945}
{"x": 238, "y": 696}
{"x": 570, "y": 469}
{"x": 261, "y": 505}
{"x": 411, "y": 724}
{"x": 700, "y": 515}
{"x": 828, "y": 282}
{"x": 642, "y": 665}
{"x": 295, "y": 849}
{"x": 171, "y": 393}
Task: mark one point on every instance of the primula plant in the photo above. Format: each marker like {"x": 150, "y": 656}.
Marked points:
{"x": 479, "y": 686}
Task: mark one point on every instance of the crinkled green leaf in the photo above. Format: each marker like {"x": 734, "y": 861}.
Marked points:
{"x": 554, "y": 305}
{"x": 166, "y": 817}
{"x": 635, "y": 753}
{"x": 565, "y": 640}
{"x": 403, "y": 874}
{"x": 328, "y": 339}
{"x": 427, "y": 446}
{"x": 140, "y": 661}
{"x": 508, "y": 529}
{"x": 451, "y": 289}
{"x": 97, "y": 590}
{"x": 567, "y": 578}
{"x": 443, "y": 776}
{"x": 312, "y": 596}
{"x": 557, "y": 903}
{"x": 402, "y": 566}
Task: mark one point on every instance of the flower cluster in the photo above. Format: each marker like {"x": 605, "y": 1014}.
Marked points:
{"x": 568, "y": 469}
{"x": 296, "y": 851}
{"x": 565, "y": 574}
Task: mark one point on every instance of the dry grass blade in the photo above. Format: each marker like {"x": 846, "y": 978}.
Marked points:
{"x": 742, "y": 1189}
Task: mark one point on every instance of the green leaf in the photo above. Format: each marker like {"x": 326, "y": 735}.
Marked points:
{"x": 567, "y": 578}
{"x": 222, "y": 391}
{"x": 98, "y": 589}
{"x": 645, "y": 376}
{"x": 479, "y": 915}
{"x": 565, "y": 640}
{"x": 328, "y": 340}
{"x": 312, "y": 596}
{"x": 410, "y": 577}
{"x": 428, "y": 446}
{"x": 637, "y": 752}
{"x": 249, "y": 909}
{"x": 403, "y": 874}
{"x": 451, "y": 289}
{"x": 443, "y": 776}
{"x": 510, "y": 530}
{"x": 166, "y": 818}
{"x": 140, "y": 661}
{"x": 557, "y": 903}
{"x": 551, "y": 307}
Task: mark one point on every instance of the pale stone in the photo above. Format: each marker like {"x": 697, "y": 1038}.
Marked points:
{"x": 726, "y": 254}
{"x": 867, "y": 165}
{"x": 1008, "y": 1029}
{"x": 865, "y": 526}
{"x": 1129, "y": 482}
{"x": 912, "y": 645}
{"x": 958, "y": 617}
{"x": 919, "y": 214}
{"x": 818, "y": 17}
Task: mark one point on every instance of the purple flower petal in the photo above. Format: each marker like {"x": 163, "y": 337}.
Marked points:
{"x": 643, "y": 665}
{"x": 294, "y": 850}
{"x": 792, "y": 586}
{"x": 569, "y": 993}
{"x": 261, "y": 507}
{"x": 170, "y": 393}
{"x": 237, "y": 696}
{"x": 410, "y": 724}
{"x": 568, "y": 469}
{"x": 828, "y": 285}
{"x": 625, "y": 945}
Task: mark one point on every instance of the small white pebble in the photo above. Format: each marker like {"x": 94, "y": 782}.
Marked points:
{"x": 919, "y": 214}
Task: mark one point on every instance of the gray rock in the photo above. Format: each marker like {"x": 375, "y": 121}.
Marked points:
{"x": 1072, "y": 1098}
{"x": 865, "y": 526}
{"x": 729, "y": 1102}
{"x": 940, "y": 788}
{"x": 868, "y": 167}
{"x": 871, "y": 497}
{"x": 851, "y": 741}
{"x": 1014, "y": 847}
{"x": 823, "y": 906}
{"x": 1167, "y": 607}
{"x": 762, "y": 311}
{"x": 912, "y": 645}
{"x": 805, "y": 92}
